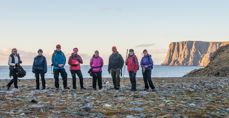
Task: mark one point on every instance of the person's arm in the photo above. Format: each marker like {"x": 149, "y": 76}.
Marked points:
{"x": 91, "y": 62}
{"x": 10, "y": 62}
{"x": 109, "y": 65}
{"x": 19, "y": 59}
{"x": 53, "y": 61}
{"x": 45, "y": 65}
{"x": 33, "y": 67}
{"x": 121, "y": 61}
{"x": 79, "y": 58}
{"x": 64, "y": 59}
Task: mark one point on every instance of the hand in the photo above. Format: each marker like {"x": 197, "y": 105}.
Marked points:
{"x": 60, "y": 65}
{"x": 145, "y": 66}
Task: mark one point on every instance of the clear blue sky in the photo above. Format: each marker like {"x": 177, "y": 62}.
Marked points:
{"x": 99, "y": 24}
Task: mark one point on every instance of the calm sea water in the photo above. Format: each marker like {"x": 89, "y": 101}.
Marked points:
{"x": 159, "y": 71}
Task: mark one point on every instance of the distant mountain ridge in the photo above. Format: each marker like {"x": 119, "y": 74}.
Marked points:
{"x": 191, "y": 53}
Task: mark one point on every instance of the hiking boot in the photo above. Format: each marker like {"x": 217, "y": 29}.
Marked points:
{"x": 66, "y": 88}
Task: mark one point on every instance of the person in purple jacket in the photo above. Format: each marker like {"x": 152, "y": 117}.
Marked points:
{"x": 147, "y": 67}
{"x": 96, "y": 64}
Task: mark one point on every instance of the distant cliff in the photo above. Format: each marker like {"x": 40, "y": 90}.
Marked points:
{"x": 191, "y": 53}
{"x": 218, "y": 66}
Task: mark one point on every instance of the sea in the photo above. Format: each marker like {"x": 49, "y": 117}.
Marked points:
{"x": 158, "y": 71}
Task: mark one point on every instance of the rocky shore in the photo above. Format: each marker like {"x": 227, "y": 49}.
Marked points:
{"x": 174, "y": 98}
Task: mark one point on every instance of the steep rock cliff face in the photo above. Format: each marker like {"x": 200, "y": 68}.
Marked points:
{"x": 218, "y": 66}
{"x": 191, "y": 53}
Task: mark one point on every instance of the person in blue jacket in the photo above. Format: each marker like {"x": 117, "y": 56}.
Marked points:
{"x": 39, "y": 69}
{"x": 58, "y": 62}
{"x": 147, "y": 67}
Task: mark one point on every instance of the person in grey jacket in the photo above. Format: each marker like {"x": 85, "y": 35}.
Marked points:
{"x": 115, "y": 66}
{"x": 39, "y": 69}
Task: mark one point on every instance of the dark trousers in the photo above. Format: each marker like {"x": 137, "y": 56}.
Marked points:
{"x": 132, "y": 80}
{"x": 79, "y": 74}
{"x": 115, "y": 73}
{"x": 39, "y": 75}
{"x": 64, "y": 76}
{"x": 147, "y": 79}
{"x": 97, "y": 76}
{"x": 14, "y": 80}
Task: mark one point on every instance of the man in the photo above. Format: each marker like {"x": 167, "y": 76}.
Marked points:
{"x": 115, "y": 66}
{"x": 58, "y": 62}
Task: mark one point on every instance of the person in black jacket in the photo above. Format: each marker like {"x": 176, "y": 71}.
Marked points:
{"x": 14, "y": 62}
{"x": 115, "y": 66}
{"x": 39, "y": 69}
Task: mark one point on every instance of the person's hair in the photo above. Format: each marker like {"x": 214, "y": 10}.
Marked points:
{"x": 131, "y": 50}
{"x": 13, "y": 50}
{"x": 40, "y": 50}
{"x": 96, "y": 51}
{"x": 145, "y": 50}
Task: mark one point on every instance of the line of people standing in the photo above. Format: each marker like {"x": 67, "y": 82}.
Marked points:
{"x": 115, "y": 66}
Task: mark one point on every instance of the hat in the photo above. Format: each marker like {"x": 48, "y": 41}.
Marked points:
{"x": 58, "y": 46}
{"x": 114, "y": 48}
{"x": 75, "y": 49}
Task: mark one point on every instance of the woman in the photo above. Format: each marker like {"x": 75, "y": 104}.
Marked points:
{"x": 96, "y": 64}
{"x": 14, "y": 62}
{"x": 133, "y": 67}
{"x": 147, "y": 66}
{"x": 39, "y": 69}
{"x": 74, "y": 61}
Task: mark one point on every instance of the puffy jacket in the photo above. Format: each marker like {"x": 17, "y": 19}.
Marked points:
{"x": 39, "y": 64}
{"x": 58, "y": 57}
{"x": 96, "y": 64}
{"x": 132, "y": 63}
{"x": 74, "y": 61}
{"x": 147, "y": 62}
{"x": 115, "y": 61}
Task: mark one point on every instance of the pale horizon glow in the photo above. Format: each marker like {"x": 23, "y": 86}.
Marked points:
{"x": 98, "y": 25}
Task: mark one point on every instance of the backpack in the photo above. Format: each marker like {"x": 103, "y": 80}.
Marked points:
{"x": 20, "y": 72}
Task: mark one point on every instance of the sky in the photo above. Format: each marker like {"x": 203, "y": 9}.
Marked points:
{"x": 100, "y": 24}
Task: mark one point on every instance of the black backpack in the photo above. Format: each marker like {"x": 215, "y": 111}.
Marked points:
{"x": 20, "y": 72}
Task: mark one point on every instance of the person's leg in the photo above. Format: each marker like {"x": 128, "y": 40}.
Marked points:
{"x": 73, "y": 79}
{"x": 12, "y": 80}
{"x": 118, "y": 78}
{"x": 94, "y": 80}
{"x": 145, "y": 80}
{"x": 100, "y": 83}
{"x": 43, "y": 80}
{"x": 56, "y": 77}
{"x": 37, "y": 80}
{"x": 79, "y": 74}
{"x": 65, "y": 78}
{"x": 113, "y": 74}
{"x": 150, "y": 79}
{"x": 131, "y": 79}
{"x": 134, "y": 82}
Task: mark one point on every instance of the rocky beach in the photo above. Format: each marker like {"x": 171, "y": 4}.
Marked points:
{"x": 174, "y": 98}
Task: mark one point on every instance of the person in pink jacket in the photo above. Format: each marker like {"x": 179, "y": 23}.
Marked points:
{"x": 74, "y": 61}
{"x": 96, "y": 64}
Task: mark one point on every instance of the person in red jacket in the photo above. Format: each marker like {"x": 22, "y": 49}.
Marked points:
{"x": 133, "y": 67}
{"x": 74, "y": 61}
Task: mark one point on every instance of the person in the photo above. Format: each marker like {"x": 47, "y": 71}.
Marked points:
{"x": 147, "y": 66}
{"x": 14, "y": 62}
{"x": 58, "y": 62}
{"x": 74, "y": 61}
{"x": 115, "y": 65}
{"x": 39, "y": 69}
{"x": 132, "y": 67}
{"x": 96, "y": 64}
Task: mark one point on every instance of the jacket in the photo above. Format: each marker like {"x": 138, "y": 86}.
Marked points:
{"x": 115, "y": 61}
{"x": 132, "y": 63}
{"x": 39, "y": 64}
{"x": 147, "y": 62}
{"x": 58, "y": 57}
{"x": 74, "y": 61}
{"x": 96, "y": 64}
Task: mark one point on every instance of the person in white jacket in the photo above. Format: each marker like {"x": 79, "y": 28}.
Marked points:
{"x": 14, "y": 62}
